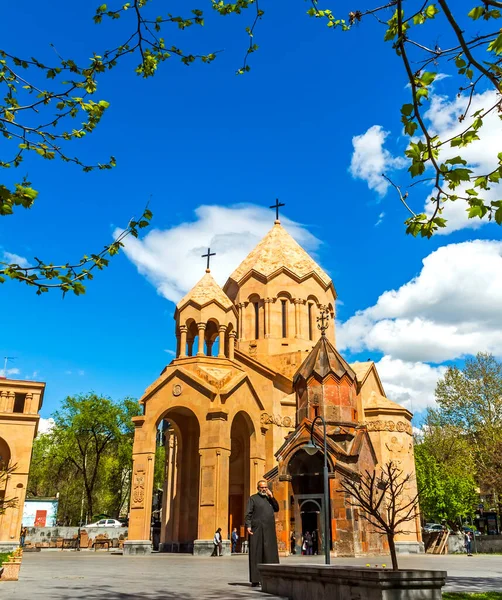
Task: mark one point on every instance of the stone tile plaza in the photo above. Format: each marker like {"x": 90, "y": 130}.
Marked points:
{"x": 70, "y": 575}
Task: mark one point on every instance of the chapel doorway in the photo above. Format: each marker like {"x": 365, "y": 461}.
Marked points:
{"x": 239, "y": 473}
{"x": 306, "y": 473}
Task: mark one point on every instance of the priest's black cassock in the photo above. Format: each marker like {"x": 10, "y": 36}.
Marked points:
{"x": 263, "y": 542}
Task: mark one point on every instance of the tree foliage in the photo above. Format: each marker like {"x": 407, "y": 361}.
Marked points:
{"x": 86, "y": 457}
{"x": 470, "y": 400}
{"x": 63, "y": 96}
{"x": 5, "y": 472}
{"x": 446, "y": 472}
{"x": 387, "y": 500}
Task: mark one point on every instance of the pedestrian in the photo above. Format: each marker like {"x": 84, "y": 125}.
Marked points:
{"x": 217, "y": 543}
{"x": 235, "y": 539}
{"x": 468, "y": 542}
{"x": 293, "y": 543}
{"x": 315, "y": 542}
{"x": 260, "y": 525}
{"x": 22, "y": 537}
{"x": 308, "y": 543}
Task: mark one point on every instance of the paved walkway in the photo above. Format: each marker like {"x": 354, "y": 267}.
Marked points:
{"x": 104, "y": 576}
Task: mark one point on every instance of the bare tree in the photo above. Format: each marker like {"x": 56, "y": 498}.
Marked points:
{"x": 5, "y": 473}
{"x": 383, "y": 496}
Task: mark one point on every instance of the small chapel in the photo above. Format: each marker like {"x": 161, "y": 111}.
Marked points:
{"x": 251, "y": 373}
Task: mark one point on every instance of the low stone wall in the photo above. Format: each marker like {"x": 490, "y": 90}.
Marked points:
{"x": 319, "y": 582}
{"x": 55, "y": 537}
{"x": 489, "y": 543}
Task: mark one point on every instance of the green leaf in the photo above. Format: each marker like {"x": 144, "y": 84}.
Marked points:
{"x": 476, "y": 12}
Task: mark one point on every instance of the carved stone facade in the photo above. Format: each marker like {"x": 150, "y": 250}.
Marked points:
{"x": 226, "y": 402}
{"x": 20, "y": 403}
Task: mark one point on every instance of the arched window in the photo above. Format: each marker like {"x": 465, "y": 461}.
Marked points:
{"x": 256, "y": 320}
{"x": 284, "y": 310}
{"x": 311, "y": 332}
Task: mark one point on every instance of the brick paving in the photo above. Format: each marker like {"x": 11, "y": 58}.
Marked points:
{"x": 105, "y": 576}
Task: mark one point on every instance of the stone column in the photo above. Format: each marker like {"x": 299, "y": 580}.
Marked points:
{"x": 201, "y": 327}
{"x": 268, "y": 302}
{"x": 231, "y": 344}
{"x": 298, "y": 302}
{"x": 221, "y": 349}
{"x": 183, "y": 341}
{"x": 11, "y": 396}
{"x": 241, "y": 320}
{"x": 28, "y": 404}
{"x": 3, "y": 401}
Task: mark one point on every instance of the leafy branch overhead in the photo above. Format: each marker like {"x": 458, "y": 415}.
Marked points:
{"x": 47, "y": 106}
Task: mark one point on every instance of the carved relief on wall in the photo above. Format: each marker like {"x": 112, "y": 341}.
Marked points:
{"x": 138, "y": 486}
{"x": 177, "y": 389}
{"x": 267, "y": 419}
{"x": 380, "y": 425}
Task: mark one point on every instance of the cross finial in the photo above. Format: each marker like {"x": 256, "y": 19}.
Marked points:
{"x": 208, "y": 256}
{"x": 276, "y": 206}
{"x": 322, "y": 321}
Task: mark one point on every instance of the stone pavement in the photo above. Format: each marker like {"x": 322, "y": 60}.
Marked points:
{"x": 104, "y": 576}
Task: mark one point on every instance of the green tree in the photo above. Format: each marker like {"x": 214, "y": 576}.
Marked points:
{"x": 446, "y": 472}
{"x": 89, "y": 428}
{"x": 60, "y": 92}
{"x": 470, "y": 400}
{"x": 5, "y": 473}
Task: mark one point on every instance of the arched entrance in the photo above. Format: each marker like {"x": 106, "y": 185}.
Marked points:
{"x": 307, "y": 502}
{"x": 239, "y": 471}
{"x": 180, "y": 490}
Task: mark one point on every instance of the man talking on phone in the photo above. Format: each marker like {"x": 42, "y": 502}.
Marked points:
{"x": 260, "y": 524}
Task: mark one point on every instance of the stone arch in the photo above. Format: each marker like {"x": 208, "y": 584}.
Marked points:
{"x": 179, "y": 513}
{"x": 242, "y": 432}
{"x": 254, "y": 323}
{"x": 211, "y": 335}
{"x": 5, "y": 454}
{"x": 192, "y": 337}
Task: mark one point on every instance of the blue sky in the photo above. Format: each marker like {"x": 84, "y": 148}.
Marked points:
{"x": 202, "y": 136}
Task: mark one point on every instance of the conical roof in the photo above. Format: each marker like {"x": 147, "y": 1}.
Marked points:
{"x": 205, "y": 291}
{"x": 323, "y": 359}
{"x": 279, "y": 250}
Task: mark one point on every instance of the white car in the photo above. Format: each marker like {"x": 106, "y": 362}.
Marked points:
{"x": 105, "y": 523}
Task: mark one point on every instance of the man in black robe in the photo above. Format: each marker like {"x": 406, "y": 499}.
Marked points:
{"x": 260, "y": 523}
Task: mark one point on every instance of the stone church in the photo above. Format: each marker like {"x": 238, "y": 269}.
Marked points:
{"x": 252, "y": 370}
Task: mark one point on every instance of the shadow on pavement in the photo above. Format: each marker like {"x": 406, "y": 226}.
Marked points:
{"x": 473, "y": 584}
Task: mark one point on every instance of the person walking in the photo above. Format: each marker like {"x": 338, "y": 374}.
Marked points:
{"x": 235, "y": 539}
{"x": 22, "y": 537}
{"x": 293, "y": 543}
{"x": 315, "y": 542}
{"x": 308, "y": 543}
{"x": 260, "y": 525}
{"x": 217, "y": 543}
{"x": 468, "y": 542}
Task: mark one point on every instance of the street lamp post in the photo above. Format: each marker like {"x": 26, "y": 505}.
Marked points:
{"x": 311, "y": 449}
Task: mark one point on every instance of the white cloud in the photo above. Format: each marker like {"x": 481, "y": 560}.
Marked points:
{"x": 380, "y": 219}
{"x": 412, "y": 384}
{"x": 481, "y": 155}
{"x": 9, "y": 372}
{"x": 171, "y": 258}
{"x": 45, "y": 425}
{"x": 170, "y": 352}
{"x": 370, "y": 159}
{"x": 10, "y": 258}
{"x": 450, "y": 310}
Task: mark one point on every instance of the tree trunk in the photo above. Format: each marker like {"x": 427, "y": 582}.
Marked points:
{"x": 392, "y": 548}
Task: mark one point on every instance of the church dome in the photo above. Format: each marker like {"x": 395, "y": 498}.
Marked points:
{"x": 204, "y": 292}
{"x": 277, "y": 251}
{"x": 322, "y": 360}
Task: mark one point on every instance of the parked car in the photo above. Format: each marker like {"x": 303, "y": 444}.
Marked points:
{"x": 431, "y": 527}
{"x": 105, "y": 523}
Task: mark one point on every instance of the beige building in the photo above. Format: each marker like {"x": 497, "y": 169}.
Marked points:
{"x": 20, "y": 403}
{"x": 230, "y": 399}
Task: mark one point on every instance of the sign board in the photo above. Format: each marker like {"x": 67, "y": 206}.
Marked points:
{"x": 40, "y": 513}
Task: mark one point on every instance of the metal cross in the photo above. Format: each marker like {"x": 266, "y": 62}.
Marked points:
{"x": 208, "y": 256}
{"x": 322, "y": 321}
{"x": 276, "y": 206}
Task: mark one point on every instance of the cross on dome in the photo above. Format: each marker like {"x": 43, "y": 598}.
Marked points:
{"x": 208, "y": 256}
{"x": 322, "y": 321}
{"x": 276, "y": 206}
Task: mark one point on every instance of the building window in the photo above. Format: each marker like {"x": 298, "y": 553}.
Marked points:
{"x": 256, "y": 320}
{"x": 311, "y": 336}
{"x": 284, "y": 319}
{"x": 19, "y": 403}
